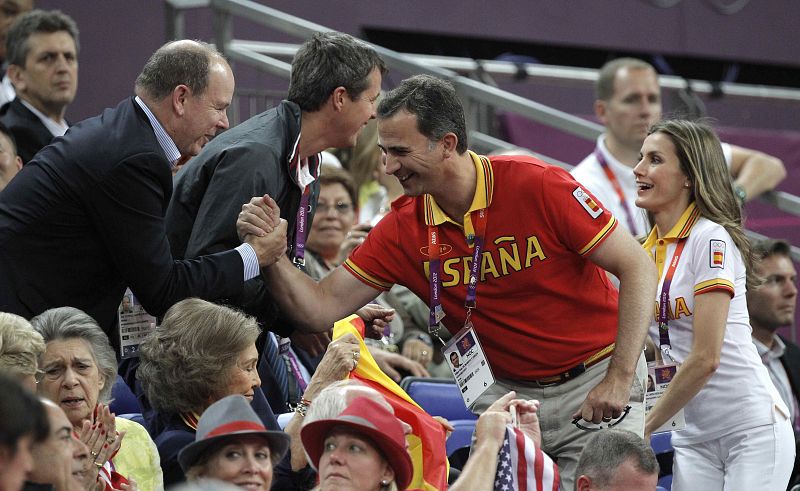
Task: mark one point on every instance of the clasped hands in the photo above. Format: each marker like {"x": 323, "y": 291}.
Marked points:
{"x": 260, "y": 225}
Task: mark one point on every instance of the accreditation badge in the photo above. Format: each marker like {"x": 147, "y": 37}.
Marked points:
{"x": 659, "y": 376}
{"x": 134, "y": 325}
{"x": 469, "y": 365}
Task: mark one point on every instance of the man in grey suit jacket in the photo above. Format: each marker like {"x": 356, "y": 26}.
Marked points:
{"x": 85, "y": 218}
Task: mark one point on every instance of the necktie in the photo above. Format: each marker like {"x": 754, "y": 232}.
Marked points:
{"x": 274, "y": 377}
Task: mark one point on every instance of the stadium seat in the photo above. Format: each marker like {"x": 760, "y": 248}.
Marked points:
{"x": 123, "y": 401}
{"x": 461, "y": 436}
{"x": 438, "y": 397}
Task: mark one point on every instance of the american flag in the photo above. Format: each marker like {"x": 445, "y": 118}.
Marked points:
{"x": 521, "y": 466}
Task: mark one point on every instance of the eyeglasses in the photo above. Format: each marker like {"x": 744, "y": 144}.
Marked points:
{"x": 341, "y": 208}
{"x": 589, "y": 426}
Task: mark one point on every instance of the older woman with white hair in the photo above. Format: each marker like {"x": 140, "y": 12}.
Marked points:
{"x": 79, "y": 368}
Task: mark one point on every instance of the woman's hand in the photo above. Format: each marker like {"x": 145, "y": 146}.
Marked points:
{"x": 340, "y": 359}
{"x": 100, "y": 435}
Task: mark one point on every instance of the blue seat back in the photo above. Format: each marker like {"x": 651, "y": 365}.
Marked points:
{"x": 438, "y": 397}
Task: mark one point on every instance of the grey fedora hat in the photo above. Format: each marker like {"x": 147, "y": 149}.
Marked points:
{"x": 228, "y": 418}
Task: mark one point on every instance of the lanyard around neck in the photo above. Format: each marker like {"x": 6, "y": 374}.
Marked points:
{"x": 479, "y": 219}
{"x": 301, "y": 228}
{"x": 612, "y": 178}
{"x": 663, "y": 304}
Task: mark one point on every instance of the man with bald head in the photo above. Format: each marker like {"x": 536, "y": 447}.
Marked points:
{"x": 85, "y": 218}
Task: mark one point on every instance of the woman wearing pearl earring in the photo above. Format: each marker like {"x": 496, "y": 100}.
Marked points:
{"x": 736, "y": 434}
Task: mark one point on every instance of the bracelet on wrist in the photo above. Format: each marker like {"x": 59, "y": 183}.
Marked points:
{"x": 301, "y": 407}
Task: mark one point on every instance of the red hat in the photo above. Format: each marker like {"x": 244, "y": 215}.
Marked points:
{"x": 372, "y": 420}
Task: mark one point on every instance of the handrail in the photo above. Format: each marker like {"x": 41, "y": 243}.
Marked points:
{"x": 255, "y": 52}
{"x": 586, "y": 129}
{"x": 589, "y": 75}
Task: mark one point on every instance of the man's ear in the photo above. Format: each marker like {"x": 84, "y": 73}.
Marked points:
{"x": 17, "y": 77}
{"x": 18, "y": 162}
{"x": 600, "y": 110}
{"x": 449, "y": 143}
{"x": 583, "y": 483}
{"x": 178, "y": 98}
{"x": 338, "y": 97}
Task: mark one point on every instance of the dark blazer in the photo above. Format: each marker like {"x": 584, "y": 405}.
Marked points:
{"x": 251, "y": 159}
{"x": 30, "y": 133}
{"x": 85, "y": 218}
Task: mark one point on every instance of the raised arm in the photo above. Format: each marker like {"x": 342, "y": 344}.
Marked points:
{"x": 622, "y": 256}
{"x": 310, "y": 305}
{"x": 754, "y": 171}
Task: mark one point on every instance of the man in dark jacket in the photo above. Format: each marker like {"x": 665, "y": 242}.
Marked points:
{"x": 42, "y": 49}
{"x": 85, "y": 218}
{"x": 771, "y": 306}
{"x": 335, "y": 82}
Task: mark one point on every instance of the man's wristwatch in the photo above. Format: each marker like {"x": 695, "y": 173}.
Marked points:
{"x": 740, "y": 193}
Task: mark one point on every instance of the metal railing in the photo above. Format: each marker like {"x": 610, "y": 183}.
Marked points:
{"x": 266, "y": 56}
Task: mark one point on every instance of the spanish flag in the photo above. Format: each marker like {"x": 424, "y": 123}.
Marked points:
{"x": 590, "y": 203}
{"x": 426, "y": 442}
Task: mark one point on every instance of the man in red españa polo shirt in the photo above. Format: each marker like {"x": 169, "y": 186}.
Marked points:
{"x": 552, "y": 326}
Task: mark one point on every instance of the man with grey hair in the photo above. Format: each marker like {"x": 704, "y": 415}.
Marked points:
{"x": 334, "y": 85}
{"x": 616, "y": 460}
{"x": 628, "y": 102}
{"x": 85, "y": 218}
{"x": 42, "y": 48}
{"x": 541, "y": 244}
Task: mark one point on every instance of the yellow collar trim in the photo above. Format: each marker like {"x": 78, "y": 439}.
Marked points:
{"x": 679, "y": 231}
{"x": 484, "y": 186}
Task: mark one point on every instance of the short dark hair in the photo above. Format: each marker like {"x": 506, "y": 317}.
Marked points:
{"x": 606, "y": 450}
{"x": 21, "y": 414}
{"x": 33, "y": 22}
{"x": 604, "y": 88}
{"x": 336, "y": 175}
{"x": 765, "y": 248}
{"x": 434, "y": 102}
{"x": 177, "y": 63}
{"x": 329, "y": 60}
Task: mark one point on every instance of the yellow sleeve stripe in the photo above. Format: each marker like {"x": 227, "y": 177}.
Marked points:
{"x": 599, "y": 237}
{"x": 713, "y": 285}
{"x": 365, "y": 277}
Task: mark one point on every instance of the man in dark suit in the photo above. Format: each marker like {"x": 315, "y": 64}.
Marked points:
{"x": 42, "y": 49}
{"x": 335, "y": 82}
{"x": 85, "y": 218}
{"x": 772, "y": 305}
